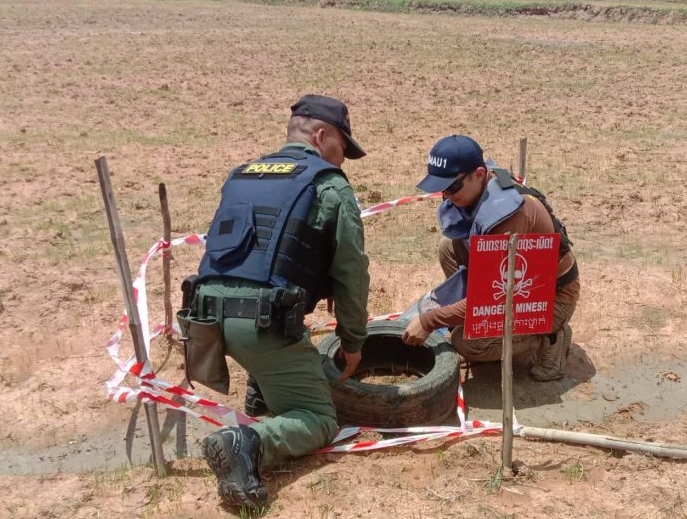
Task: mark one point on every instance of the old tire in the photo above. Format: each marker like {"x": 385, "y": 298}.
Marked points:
{"x": 429, "y": 399}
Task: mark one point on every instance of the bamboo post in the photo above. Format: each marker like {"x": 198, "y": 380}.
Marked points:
{"x": 607, "y": 442}
{"x": 507, "y": 361}
{"x": 522, "y": 160}
{"x": 130, "y": 302}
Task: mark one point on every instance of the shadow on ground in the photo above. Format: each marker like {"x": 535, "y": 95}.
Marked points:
{"x": 482, "y": 382}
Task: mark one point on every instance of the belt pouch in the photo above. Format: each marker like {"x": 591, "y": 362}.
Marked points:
{"x": 204, "y": 351}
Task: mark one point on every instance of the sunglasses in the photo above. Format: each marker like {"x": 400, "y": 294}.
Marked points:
{"x": 456, "y": 186}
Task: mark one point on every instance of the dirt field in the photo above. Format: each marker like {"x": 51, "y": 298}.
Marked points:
{"x": 179, "y": 91}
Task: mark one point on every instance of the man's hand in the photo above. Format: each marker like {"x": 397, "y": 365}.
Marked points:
{"x": 415, "y": 334}
{"x": 352, "y": 361}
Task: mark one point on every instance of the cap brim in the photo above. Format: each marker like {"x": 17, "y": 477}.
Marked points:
{"x": 353, "y": 150}
{"x": 435, "y": 184}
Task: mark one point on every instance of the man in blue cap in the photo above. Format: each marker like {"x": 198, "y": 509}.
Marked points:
{"x": 287, "y": 233}
{"x": 480, "y": 200}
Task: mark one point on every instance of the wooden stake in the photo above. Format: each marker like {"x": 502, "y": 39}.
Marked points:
{"x": 507, "y": 361}
{"x": 130, "y": 302}
{"x": 178, "y": 418}
{"x": 522, "y": 160}
{"x": 166, "y": 260}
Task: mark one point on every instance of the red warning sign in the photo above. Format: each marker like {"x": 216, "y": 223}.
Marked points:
{"x": 534, "y": 289}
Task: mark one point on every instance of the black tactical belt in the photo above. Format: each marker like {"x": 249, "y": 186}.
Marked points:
{"x": 237, "y": 307}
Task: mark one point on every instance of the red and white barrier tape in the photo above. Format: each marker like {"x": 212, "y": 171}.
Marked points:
{"x": 416, "y": 434}
{"x": 152, "y": 388}
{"x": 386, "y": 206}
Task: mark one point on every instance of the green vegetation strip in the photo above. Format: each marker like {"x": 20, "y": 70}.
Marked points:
{"x": 647, "y": 11}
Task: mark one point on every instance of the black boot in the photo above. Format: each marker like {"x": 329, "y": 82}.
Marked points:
{"x": 254, "y": 404}
{"x": 233, "y": 454}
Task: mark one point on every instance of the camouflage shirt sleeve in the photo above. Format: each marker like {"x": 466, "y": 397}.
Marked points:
{"x": 338, "y": 211}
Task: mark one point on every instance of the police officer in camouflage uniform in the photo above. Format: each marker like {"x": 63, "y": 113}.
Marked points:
{"x": 287, "y": 233}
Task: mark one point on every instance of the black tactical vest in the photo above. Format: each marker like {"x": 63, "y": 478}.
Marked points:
{"x": 260, "y": 230}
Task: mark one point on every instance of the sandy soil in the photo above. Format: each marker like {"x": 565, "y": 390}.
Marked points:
{"x": 177, "y": 92}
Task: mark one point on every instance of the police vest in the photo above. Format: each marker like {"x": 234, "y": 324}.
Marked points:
{"x": 260, "y": 230}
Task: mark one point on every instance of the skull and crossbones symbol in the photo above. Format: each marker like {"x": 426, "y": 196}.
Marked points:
{"x": 518, "y": 276}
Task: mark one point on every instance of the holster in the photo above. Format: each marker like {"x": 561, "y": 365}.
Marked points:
{"x": 293, "y": 321}
{"x": 204, "y": 351}
{"x": 281, "y": 310}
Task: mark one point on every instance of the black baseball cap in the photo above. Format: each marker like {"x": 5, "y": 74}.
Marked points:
{"x": 331, "y": 111}
{"x": 450, "y": 157}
